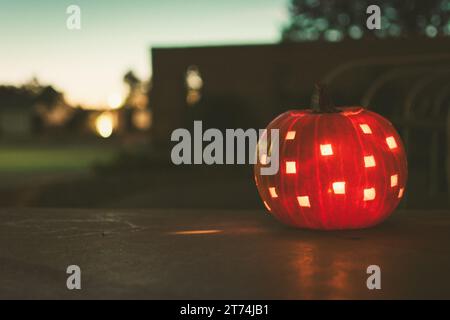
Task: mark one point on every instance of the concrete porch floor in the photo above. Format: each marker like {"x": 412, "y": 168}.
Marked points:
{"x": 208, "y": 254}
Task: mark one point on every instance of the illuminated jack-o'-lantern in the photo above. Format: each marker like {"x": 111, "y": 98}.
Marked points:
{"x": 340, "y": 168}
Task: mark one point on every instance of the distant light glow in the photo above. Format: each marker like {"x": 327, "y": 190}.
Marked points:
{"x": 400, "y": 192}
{"x": 193, "y": 97}
{"x": 446, "y": 29}
{"x": 321, "y": 24}
{"x": 431, "y": 31}
{"x": 333, "y": 35}
{"x": 194, "y": 80}
{"x": 355, "y": 32}
{"x": 395, "y": 30}
{"x": 104, "y": 124}
{"x": 115, "y": 101}
{"x": 142, "y": 119}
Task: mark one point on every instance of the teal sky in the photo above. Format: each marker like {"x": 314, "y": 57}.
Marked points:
{"x": 115, "y": 36}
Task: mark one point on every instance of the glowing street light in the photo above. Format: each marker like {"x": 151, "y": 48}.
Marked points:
{"x": 104, "y": 124}
{"x": 115, "y": 101}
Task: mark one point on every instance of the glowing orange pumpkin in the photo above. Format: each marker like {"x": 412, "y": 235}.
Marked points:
{"x": 340, "y": 168}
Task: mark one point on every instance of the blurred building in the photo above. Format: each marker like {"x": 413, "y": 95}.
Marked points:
{"x": 248, "y": 85}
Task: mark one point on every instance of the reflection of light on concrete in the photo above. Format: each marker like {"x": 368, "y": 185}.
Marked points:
{"x": 326, "y": 272}
{"x": 196, "y": 232}
{"x": 339, "y": 282}
{"x": 306, "y": 267}
{"x": 104, "y": 124}
{"x": 115, "y": 101}
{"x": 142, "y": 119}
{"x": 321, "y": 273}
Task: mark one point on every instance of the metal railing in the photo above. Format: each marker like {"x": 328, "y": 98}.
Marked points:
{"x": 425, "y": 78}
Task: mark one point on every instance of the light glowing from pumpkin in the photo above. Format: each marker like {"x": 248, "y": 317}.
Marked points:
{"x": 340, "y": 170}
{"x": 290, "y": 135}
{"x": 290, "y": 167}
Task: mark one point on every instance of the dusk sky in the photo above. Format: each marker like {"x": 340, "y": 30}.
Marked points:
{"x": 115, "y": 36}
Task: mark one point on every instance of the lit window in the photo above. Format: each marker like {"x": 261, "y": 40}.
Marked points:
{"x": 369, "y": 161}
{"x": 394, "y": 180}
{"x": 369, "y": 194}
{"x": 290, "y": 167}
{"x": 365, "y": 128}
{"x": 339, "y": 187}
{"x": 193, "y": 96}
{"x": 304, "y": 201}
{"x": 267, "y": 206}
{"x": 194, "y": 84}
{"x": 273, "y": 192}
{"x": 391, "y": 142}
{"x": 400, "y": 192}
{"x": 194, "y": 80}
{"x": 290, "y": 135}
{"x": 326, "y": 149}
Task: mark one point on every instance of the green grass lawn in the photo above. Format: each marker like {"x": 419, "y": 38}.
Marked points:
{"x": 35, "y": 159}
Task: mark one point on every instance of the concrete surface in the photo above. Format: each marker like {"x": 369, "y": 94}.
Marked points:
{"x": 207, "y": 254}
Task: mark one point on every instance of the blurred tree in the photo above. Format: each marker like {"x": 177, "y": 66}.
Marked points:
{"x": 335, "y": 20}
{"x": 131, "y": 80}
{"x": 137, "y": 114}
{"x": 30, "y": 95}
{"x": 15, "y": 97}
{"x": 51, "y": 107}
{"x": 137, "y": 91}
{"x": 33, "y": 85}
{"x": 48, "y": 96}
{"x": 35, "y": 105}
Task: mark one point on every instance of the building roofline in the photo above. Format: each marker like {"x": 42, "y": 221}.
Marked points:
{"x": 294, "y": 44}
{"x": 212, "y": 46}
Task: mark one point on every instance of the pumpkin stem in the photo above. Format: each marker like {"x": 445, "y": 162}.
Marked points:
{"x": 322, "y": 102}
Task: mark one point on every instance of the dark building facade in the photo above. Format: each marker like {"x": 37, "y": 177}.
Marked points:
{"x": 249, "y": 85}
{"x": 406, "y": 80}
